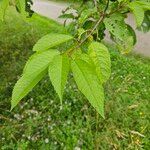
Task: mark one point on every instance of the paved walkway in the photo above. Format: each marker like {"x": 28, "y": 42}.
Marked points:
{"x": 53, "y": 10}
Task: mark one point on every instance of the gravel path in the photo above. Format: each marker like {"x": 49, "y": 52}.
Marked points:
{"x": 53, "y": 10}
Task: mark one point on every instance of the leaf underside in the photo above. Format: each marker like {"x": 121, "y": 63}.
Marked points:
{"x": 33, "y": 72}
{"x": 89, "y": 84}
{"x": 58, "y": 72}
{"x": 101, "y": 58}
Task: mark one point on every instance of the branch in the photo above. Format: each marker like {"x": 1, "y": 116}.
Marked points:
{"x": 94, "y": 28}
{"x": 98, "y": 22}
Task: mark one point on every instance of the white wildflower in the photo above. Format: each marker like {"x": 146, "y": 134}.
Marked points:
{"x": 46, "y": 140}
{"x": 77, "y": 148}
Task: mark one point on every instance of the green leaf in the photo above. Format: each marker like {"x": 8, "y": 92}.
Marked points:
{"x": 138, "y": 13}
{"x": 89, "y": 84}
{"x": 101, "y": 31}
{"x": 67, "y": 16}
{"x": 58, "y": 72}
{"x": 132, "y": 33}
{"x": 138, "y": 8}
{"x": 145, "y": 5}
{"x": 115, "y": 24}
{"x": 125, "y": 46}
{"x": 145, "y": 27}
{"x": 86, "y": 13}
{"x": 101, "y": 58}
{"x": 21, "y": 5}
{"x": 24, "y": 85}
{"x": 34, "y": 70}
{"x": 3, "y": 6}
{"x": 51, "y": 40}
{"x": 81, "y": 31}
{"x": 120, "y": 32}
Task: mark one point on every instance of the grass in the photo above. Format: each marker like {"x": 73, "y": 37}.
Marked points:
{"x": 39, "y": 122}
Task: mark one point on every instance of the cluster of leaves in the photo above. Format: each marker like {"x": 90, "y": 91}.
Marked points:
{"x": 22, "y": 6}
{"x": 81, "y": 50}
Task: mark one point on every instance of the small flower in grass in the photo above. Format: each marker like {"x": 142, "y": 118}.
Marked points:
{"x": 31, "y": 99}
{"x": 21, "y": 106}
{"x": 17, "y": 116}
{"x": 51, "y": 102}
{"x": 49, "y": 118}
{"x": 137, "y": 142}
{"x": 68, "y": 122}
{"x": 29, "y": 137}
{"x": 121, "y": 76}
{"x": 82, "y": 131}
{"x": 3, "y": 139}
{"x": 77, "y": 148}
{"x": 74, "y": 99}
{"x": 46, "y": 140}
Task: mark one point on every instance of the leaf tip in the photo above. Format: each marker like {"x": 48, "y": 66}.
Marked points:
{"x": 102, "y": 114}
{"x": 12, "y": 107}
{"x": 13, "y": 104}
{"x": 61, "y": 99}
